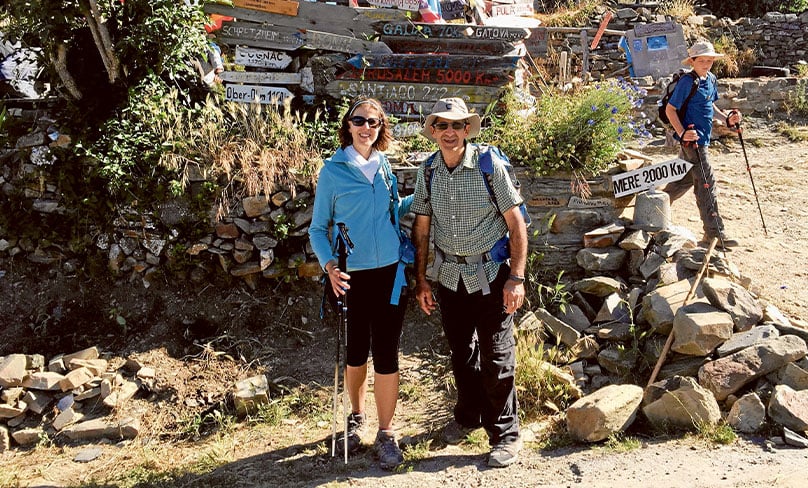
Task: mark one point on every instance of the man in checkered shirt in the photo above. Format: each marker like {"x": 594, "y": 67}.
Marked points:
{"x": 478, "y": 295}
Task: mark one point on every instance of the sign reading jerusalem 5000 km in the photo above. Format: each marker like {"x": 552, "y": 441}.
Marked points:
{"x": 644, "y": 178}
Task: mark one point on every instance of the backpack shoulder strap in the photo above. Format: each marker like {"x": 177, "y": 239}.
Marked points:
{"x": 486, "y": 163}
{"x": 391, "y": 182}
{"x": 429, "y": 171}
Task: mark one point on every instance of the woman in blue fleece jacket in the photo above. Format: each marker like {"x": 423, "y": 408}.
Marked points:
{"x": 356, "y": 187}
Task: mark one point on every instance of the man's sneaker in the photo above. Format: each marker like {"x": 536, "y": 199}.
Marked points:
{"x": 505, "y": 453}
{"x": 454, "y": 433}
{"x": 356, "y": 427}
{"x": 387, "y": 450}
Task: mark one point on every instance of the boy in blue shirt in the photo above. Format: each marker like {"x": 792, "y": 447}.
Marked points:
{"x": 693, "y": 130}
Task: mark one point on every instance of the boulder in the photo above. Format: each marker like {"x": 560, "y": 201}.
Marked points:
{"x": 608, "y": 410}
{"x": 747, "y": 414}
{"x": 698, "y": 328}
{"x": 729, "y": 374}
{"x": 735, "y": 300}
{"x": 680, "y": 402}
{"x": 789, "y": 408}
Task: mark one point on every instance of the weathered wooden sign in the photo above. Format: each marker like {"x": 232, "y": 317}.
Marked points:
{"x": 268, "y": 36}
{"x": 261, "y": 58}
{"x": 337, "y": 19}
{"x": 494, "y": 77}
{"x": 578, "y": 202}
{"x": 409, "y": 44}
{"x": 272, "y": 78}
{"x": 452, "y": 31}
{"x": 343, "y": 44}
{"x": 420, "y": 109}
{"x": 411, "y": 5}
{"x": 521, "y": 8}
{"x": 433, "y": 61}
{"x": 284, "y": 7}
{"x": 256, "y": 93}
{"x": 411, "y": 91}
{"x": 453, "y": 9}
{"x": 536, "y": 44}
{"x": 644, "y": 178}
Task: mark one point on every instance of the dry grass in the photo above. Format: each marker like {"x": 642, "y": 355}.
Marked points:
{"x": 677, "y": 9}
{"x": 574, "y": 14}
{"x": 735, "y": 61}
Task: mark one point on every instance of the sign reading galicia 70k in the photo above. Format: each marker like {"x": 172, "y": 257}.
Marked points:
{"x": 644, "y": 178}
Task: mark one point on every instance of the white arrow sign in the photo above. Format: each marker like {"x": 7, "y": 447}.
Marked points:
{"x": 644, "y": 178}
{"x": 261, "y": 58}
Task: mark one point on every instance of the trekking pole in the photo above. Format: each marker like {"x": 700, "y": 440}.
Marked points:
{"x": 749, "y": 170}
{"x": 713, "y": 203}
{"x": 344, "y": 246}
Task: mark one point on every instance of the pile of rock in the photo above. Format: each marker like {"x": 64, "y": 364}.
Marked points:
{"x": 734, "y": 358}
{"x": 70, "y": 395}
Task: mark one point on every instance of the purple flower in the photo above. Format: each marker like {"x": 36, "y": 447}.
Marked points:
{"x": 590, "y": 122}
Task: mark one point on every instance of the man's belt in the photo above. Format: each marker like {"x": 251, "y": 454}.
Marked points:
{"x": 478, "y": 259}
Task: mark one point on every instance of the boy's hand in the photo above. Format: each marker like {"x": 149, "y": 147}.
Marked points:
{"x": 734, "y": 119}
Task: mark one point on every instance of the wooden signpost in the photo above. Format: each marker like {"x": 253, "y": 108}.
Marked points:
{"x": 453, "y": 9}
{"x": 494, "y": 77}
{"x": 343, "y": 44}
{"x": 411, "y": 5}
{"x": 268, "y": 36}
{"x": 257, "y": 93}
{"x": 261, "y": 58}
{"x": 452, "y": 31}
{"x": 261, "y": 78}
{"x": 433, "y": 61}
{"x": 644, "y": 178}
{"x": 406, "y": 129}
{"x": 284, "y": 7}
{"x": 511, "y": 8}
{"x": 430, "y": 45}
{"x": 411, "y": 91}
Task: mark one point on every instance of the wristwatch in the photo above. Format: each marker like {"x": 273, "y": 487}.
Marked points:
{"x": 518, "y": 279}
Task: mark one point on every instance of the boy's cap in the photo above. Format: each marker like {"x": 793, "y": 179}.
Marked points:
{"x": 701, "y": 48}
{"x": 452, "y": 109}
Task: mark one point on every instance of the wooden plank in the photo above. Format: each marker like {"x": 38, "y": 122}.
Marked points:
{"x": 452, "y": 31}
{"x": 268, "y": 36}
{"x": 253, "y": 77}
{"x": 411, "y": 5}
{"x": 433, "y": 61}
{"x": 261, "y": 58}
{"x": 411, "y": 91}
{"x": 494, "y": 77}
{"x": 602, "y": 27}
{"x": 344, "y": 44}
{"x": 290, "y": 38}
{"x": 336, "y": 19}
{"x": 284, "y": 7}
{"x": 252, "y": 93}
{"x": 536, "y": 44}
{"x": 403, "y": 44}
{"x": 416, "y": 109}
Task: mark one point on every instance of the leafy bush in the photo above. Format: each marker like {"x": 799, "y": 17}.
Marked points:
{"x": 735, "y": 61}
{"x": 581, "y": 130}
{"x": 754, "y": 8}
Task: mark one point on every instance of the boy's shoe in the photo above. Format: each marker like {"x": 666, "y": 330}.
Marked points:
{"x": 505, "y": 453}
{"x": 454, "y": 433}
{"x": 387, "y": 450}
{"x": 724, "y": 243}
{"x": 356, "y": 427}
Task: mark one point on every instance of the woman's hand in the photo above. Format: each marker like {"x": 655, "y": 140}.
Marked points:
{"x": 338, "y": 278}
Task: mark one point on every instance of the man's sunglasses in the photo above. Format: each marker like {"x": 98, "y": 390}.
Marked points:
{"x": 359, "y": 121}
{"x": 456, "y": 125}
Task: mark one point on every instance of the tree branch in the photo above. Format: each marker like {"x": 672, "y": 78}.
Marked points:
{"x": 60, "y": 64}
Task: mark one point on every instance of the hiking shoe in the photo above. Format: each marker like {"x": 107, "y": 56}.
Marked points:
{"x": 724, "y": 243}
{"x": 387, "y": 450}
{"x": 356, "y": 427}
{"x": 505, "y": 453}
{"x": 454, "y": 433}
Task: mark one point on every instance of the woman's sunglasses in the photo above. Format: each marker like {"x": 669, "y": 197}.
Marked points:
{"x": 456, "y": 125}
{"x": 359, "y": 121}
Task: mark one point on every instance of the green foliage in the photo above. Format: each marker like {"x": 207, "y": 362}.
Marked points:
{"x": 754, "y": 8}
{"x": 619, "y": 442}
{"x": 581, "y": 130}
{"x": 540, "y": 391}
{"x": 720, "y": 433}
{"x": 797, "y": 101}
{"x": 567, "y": 13}
{"x": 553, "y": 297}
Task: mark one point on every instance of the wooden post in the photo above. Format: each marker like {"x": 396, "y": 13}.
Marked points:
{"x": 704, "y": 265}
{"x": 585, "y": 49}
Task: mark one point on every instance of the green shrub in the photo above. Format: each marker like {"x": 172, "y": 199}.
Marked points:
{"x": 580, "y": 130}
{"x": 754, "y": 8}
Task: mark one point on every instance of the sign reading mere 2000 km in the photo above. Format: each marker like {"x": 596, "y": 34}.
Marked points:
{"x": 644, "y": 178}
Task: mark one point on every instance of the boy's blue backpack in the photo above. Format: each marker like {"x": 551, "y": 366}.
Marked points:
{"x": 663, "y": 103}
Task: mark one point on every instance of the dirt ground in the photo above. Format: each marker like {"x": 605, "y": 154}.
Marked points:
{"x": 202, "y": 339}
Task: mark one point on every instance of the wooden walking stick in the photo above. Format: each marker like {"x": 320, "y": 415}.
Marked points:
{"x": 704, "y": 265}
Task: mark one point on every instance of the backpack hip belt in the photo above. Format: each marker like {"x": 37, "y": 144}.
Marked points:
{"x": 478, "y": 259}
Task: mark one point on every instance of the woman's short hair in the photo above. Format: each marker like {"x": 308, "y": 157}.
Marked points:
{"x": 385, "y": 136}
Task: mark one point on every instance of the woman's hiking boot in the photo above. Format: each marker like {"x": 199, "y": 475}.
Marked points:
{"x": 387, "y": 450}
